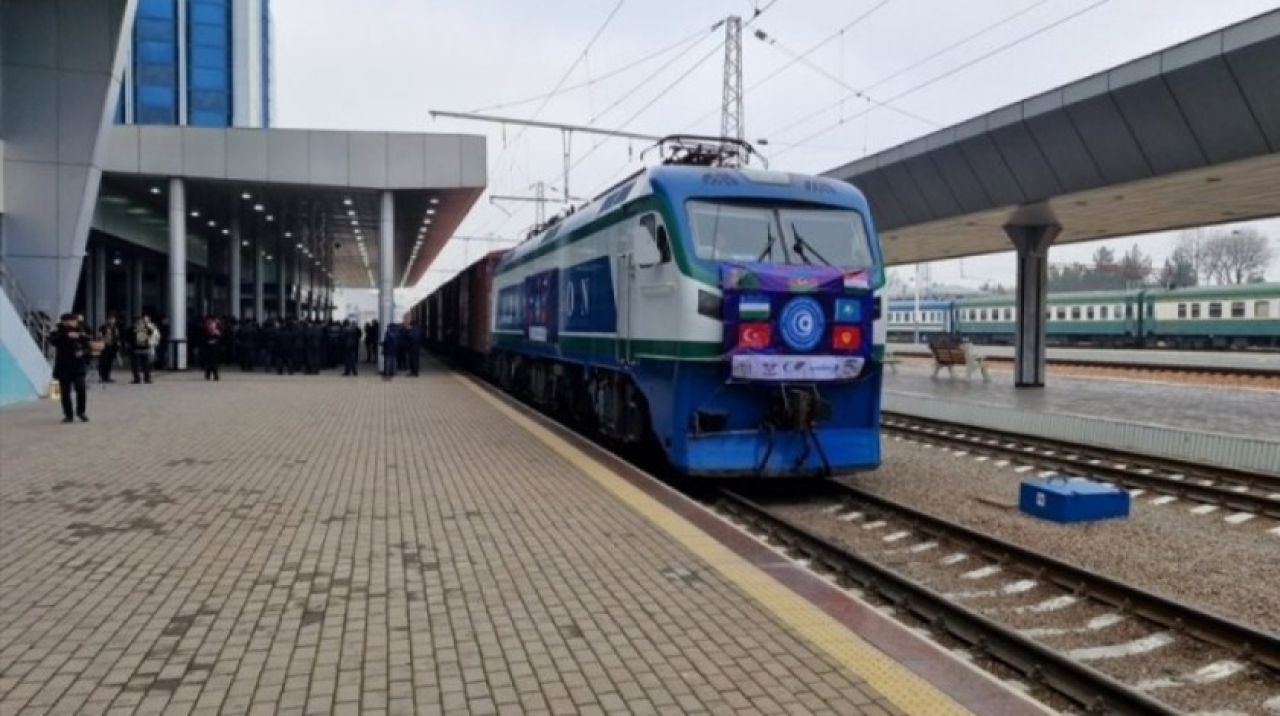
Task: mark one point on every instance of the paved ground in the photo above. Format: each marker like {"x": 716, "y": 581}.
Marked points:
{"x": 1244, "y": 412}
{"x": 317, "y": 544}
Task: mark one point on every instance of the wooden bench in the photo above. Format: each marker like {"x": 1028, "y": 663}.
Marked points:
{"x": 949, "y": 353}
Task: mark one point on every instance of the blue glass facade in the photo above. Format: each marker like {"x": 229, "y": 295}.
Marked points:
{"x": 266, "y": 63}
{"x": 155, "y": 62}
{"x": 209, "y": 63}
{"x": 189, "y": 46}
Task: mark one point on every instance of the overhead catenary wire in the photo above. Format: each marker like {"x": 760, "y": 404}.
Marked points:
{"x": 648, "y": 105}
{"x": 610, "y": 74}
{"x": 920, "y": 62}
{"x": 937, "y": 78}
{"x": 812, "y": 48}
{"x": 563, "y": 78}
{"x": 857, "y": 93}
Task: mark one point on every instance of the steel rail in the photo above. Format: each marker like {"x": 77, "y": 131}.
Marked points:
{"x": 1090, "y": 461}
{"x": 1086, "y": 686}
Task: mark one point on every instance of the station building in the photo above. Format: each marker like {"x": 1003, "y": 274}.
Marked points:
{"x": 142, "y": 173}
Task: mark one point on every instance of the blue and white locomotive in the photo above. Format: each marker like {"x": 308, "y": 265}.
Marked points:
{"x": 724, "y": 313}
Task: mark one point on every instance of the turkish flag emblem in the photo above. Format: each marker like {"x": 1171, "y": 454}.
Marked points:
{"x": 754, "y": 335}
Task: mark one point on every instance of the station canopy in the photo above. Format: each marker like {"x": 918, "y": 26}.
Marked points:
{"x": 1185, "y": 137}
{"x": 316, "y": 194}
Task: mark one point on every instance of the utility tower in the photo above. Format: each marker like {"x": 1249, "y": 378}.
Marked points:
{"x": 731, "y": 107}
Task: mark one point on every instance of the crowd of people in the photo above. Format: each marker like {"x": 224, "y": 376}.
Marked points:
{"x": 283, "y": 346}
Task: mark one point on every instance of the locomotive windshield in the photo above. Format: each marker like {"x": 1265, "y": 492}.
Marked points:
{"x": 779, "y": 234}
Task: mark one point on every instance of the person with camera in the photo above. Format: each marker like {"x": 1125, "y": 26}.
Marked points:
{"x": 71, "y": 357}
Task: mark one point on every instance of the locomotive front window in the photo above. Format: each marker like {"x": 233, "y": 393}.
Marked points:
{"x": 735, "y": 232}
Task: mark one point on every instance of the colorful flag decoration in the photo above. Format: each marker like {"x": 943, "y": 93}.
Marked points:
{"x": 753, "y": 307}
{"x": 846, "y": 338}
{"x": 754, "y": 335}
{"x": 848, "y": 310}
{"x": 858, "y": 279}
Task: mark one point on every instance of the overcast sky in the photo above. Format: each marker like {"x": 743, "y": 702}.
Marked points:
{"x": 383, "y": 64}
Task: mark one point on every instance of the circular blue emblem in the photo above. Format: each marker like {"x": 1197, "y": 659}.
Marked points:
{"x": 802, "y": 324}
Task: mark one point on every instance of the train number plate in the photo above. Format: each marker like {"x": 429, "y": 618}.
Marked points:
{"x": 796, "y": 368}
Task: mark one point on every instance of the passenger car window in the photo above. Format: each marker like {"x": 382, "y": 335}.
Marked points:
{"x": 1237, "y": 309}
{"x": 1261, "y": 309}
{"x": 1215, "y": 310}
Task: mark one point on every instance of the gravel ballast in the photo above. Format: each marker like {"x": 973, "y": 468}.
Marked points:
{"x": 1232, "y": 570}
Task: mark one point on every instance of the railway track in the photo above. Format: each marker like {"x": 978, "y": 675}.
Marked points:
{"x": 941, "y": 573}
{"x": 1246, "y": 492}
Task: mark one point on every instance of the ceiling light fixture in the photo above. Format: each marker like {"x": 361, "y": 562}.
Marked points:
{"x": 270, "y": 217}
{"x": 195, "y": 213}
{"x": 226, "y": 232}
{"x": 347, "y": 201}
{"x": 258, "y": 207}
{"x": 155, "y": 190}
{"x": 435, "y": 200}
{"x": 430, "y": 211}
{"x": 246, "y": 196}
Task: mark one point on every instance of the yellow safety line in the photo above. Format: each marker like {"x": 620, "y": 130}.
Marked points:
{"x": 907, "y": 690}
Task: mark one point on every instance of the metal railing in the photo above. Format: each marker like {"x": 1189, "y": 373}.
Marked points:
{"x": 39, "y": 324}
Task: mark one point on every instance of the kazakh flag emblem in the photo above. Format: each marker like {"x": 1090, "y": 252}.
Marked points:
{"x": 753, "y": 308}
{"x": 848, "y": 310}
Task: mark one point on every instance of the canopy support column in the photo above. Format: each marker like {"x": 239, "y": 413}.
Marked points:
{"x": 1032, "y": 244}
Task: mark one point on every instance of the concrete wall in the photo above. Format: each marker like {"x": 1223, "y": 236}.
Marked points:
{"x": 60, "y": 69}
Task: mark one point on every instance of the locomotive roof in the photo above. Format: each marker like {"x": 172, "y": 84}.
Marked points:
{"x": 680, "y": 183}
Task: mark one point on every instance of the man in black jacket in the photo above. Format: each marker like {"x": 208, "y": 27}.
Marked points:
{"x": 350, "y": 347}
{"x": 71, "y": 347}
{"x": 109, "y": 334}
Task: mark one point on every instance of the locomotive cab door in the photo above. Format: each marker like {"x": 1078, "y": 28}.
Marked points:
{"x": 652, "y": 305}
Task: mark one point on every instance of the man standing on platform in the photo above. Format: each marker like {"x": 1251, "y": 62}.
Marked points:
{"x": 71, "y": 348}
{"x": 371, "y": 338}
{"x": 411, "y": 337}
{"x": 141, "y": 339}
{"x": 211, "y": 348}
{"x": 109, "y": 334}
{"x": 389, "y": 344}
{"x": 245, "y": 348}
{"x": 350, "y": 347}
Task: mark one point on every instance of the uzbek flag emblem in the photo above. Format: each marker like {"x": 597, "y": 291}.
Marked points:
{"x": 753, "y": 307}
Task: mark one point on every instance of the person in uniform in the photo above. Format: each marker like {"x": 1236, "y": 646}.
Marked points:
{"x": 314, "y": 347}
{"x": 109, "y": 334}
{"x": 350, "y": 347}
{"x": 371, "y": 339}
{"x": 389, "y": 348}
{"x": 278, "y": 346}
{"x": 71, "y": 354}
{"x": 411, "y": 340}
{"x": 246, "y": 335}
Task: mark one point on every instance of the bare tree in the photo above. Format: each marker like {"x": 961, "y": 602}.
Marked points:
{"x": 1237, "y": 257}
{"x": 1191, "y": 249}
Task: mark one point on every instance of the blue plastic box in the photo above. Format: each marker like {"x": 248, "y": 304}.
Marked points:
{"x": 1072, "y": 500}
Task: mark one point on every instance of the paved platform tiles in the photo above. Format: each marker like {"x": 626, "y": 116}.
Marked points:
{"x": 320, "y": 545}
{"x": 1245, "y": 412}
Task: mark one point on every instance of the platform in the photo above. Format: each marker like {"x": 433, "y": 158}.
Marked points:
{"x": 1232, "y": 427}
{"x": 1257, "y": 362}
{"x": 325, "y": 545}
